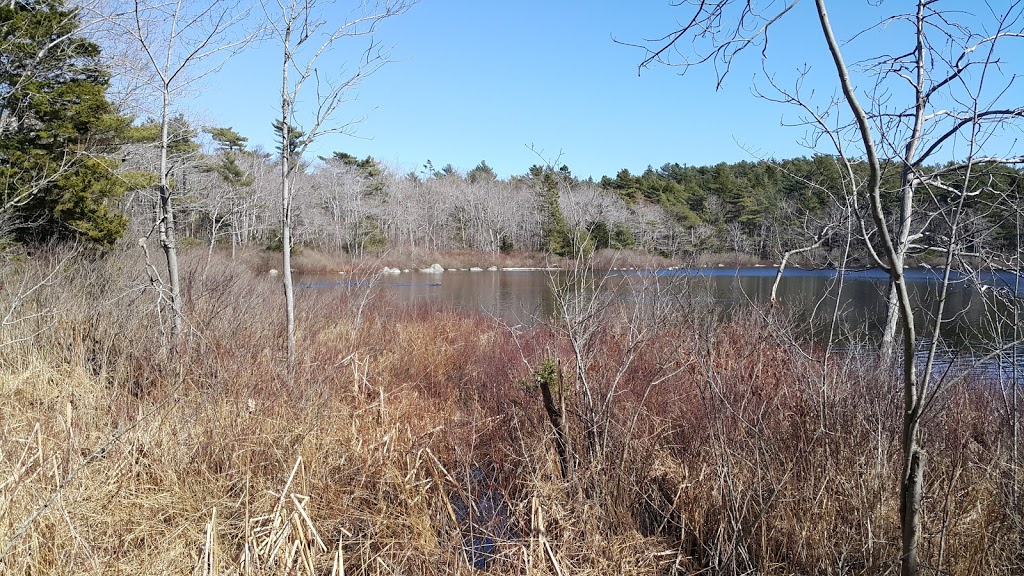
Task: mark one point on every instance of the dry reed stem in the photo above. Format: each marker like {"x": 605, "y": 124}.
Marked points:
{"x": 749, "y": 459}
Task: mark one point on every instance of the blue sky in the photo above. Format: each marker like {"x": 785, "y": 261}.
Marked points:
{"x": 485, "y": 80}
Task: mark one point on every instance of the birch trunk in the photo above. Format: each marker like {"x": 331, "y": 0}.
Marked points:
{"x": 286, "y": 208}
{"x": 167, "y": 236}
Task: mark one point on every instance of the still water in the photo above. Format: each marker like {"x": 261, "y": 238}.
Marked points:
{"x": 981, "y": 312}
{"x": 978, "y": 308}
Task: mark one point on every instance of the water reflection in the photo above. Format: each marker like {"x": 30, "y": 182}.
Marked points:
{"x": 979, "y": 309}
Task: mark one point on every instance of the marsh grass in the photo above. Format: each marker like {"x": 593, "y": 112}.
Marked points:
{"x": 412, "y": 442}
{"x": 316, "y": 262}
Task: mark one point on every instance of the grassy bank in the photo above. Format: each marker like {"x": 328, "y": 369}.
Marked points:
{"x": 415, "y": 440}
{"x": 311, "y": 261}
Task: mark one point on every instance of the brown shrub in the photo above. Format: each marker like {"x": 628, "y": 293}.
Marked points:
{"x": 414, "y": 439}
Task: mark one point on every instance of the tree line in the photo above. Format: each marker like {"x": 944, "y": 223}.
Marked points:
{"x": 72, "y": 166}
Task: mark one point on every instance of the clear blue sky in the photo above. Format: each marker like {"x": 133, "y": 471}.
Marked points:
{"x": 480, "y": 80}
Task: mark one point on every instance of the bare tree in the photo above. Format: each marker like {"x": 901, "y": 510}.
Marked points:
{"x": 182, "y": 42}
{"x": 304, "y": 37}
{"x": 257, "y": 221}
{"x": 939, "y": 93}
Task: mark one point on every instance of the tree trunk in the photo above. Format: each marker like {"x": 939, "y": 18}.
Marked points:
{"x": 912, "y": 475}
{"x": 286, "y": 250}
{"x": 286, "y": 209}
{"x": 167, "y": 236}
{"x": 286, "y": 273}
{"x": 1015, "y": 375}
{"x": 213, "y": 239}
{"x": 895, "y": 250}
{"x": 910, "y": 505}
{"x": 887, "y": 346}
{"x": 169, "y": 245}
{"x": 562, "y": 449}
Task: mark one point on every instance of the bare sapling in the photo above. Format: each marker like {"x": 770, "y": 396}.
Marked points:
{"x": 305, "y": 36}
{"x": 181, "y": 42}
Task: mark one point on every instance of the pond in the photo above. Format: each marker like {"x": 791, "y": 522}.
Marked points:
{"x": 979, "y": 308}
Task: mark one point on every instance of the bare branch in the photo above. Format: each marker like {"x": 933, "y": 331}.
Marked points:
{"x": 729, "y": 27}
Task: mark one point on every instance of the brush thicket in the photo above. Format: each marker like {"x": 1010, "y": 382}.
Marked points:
{"x": 415, "y": 440}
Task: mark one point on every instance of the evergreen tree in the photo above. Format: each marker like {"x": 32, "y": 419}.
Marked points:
{"x": 725, "y": 186}
{"x": 230, "y": 172}
{"x": 55, "y": 125}
{"x": 295, "y": 140}
{"x": 482, "y": 173}
{"x": 449, "y": 171}
{"x": 555, "y": 235}
{"x": 227, "y": 139}
{"x": 224, "y": 209}
{"x": 429, "y": 171}
{"x": 181, "y": 136}
{"x": 625, "y": 185}
{"x": 366, "y": 170}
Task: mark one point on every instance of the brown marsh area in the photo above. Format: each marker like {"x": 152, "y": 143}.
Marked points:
{"x": 421, "y": 439}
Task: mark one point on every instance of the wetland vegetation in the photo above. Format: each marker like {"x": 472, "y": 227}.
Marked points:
{"x": 164, "y": 409}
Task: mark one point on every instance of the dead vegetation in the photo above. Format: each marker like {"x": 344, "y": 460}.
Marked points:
{"x": 415, "y": 440}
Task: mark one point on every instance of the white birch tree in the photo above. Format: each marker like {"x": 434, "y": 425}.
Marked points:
{"x": 305, "y": 36}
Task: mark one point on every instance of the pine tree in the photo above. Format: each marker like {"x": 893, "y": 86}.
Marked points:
{"x": 224, "y": 208}
{"x": 229, "y": 142}
{"x": 181, "y": 136}
{"x": 55, "y": 125}
{"x": 227, "y": 139}
{"x": 482, "y": 173}
{"x": 556, "y": 236}
{"x": 295, "y": 140}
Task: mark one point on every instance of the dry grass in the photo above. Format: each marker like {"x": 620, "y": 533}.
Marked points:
{"x": 413, "y": 442}
{"x": 727, "y": 259}
{"x": 312, "y": 261}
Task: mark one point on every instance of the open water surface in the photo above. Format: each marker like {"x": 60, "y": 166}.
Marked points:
{"x": 979, "y": 310}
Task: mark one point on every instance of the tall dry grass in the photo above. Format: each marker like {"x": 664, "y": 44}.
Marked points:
{"x": 415, "y": 441}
